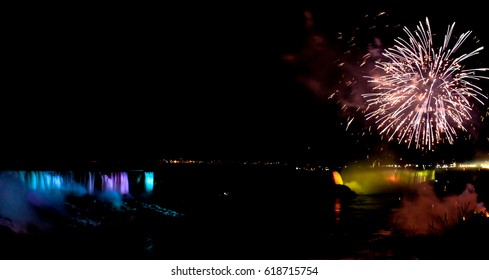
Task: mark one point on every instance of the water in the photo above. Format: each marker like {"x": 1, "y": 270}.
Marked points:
{"x": 193, "y": 212}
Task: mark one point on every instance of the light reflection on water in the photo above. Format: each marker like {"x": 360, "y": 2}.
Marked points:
{"x": 357, "y": 223}
{"x": 337, "y": 209}
{"x": 366, "y": 213}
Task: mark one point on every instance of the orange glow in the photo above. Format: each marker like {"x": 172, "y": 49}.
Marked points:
{"x": 337, "y": 178}
{"x": 393, "y": 178}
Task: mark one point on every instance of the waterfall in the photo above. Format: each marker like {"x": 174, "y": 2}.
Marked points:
{"x": 148, "y": 181}
{"x": 116, "y": 181}
{"x": 89, "y": 182}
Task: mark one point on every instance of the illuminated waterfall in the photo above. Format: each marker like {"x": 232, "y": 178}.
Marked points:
{"x": 88, "y": 182}
{"x": 48, "y": 180}
{"x": 116, "y": 181}
{"x": 381, "y": 180}
{"x": 337, "y": 178}
{"x": 148, "y": 181}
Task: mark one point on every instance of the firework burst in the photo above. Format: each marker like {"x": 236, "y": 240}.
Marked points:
{"x": 422, "y": 95}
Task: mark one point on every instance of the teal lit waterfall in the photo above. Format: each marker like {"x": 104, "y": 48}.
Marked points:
{"x": 148, "y": 181}
{"x": 48, "y": 180}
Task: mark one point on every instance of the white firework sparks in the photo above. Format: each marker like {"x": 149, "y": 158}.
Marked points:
{"x": 424, "y": 95}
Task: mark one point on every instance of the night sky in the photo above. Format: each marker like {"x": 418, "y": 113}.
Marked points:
{"x": 239, "y": 80}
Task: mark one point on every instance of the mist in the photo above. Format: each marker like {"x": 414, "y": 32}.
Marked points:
{"x": 16, "y": 210}
{"x": 427, "y": 213}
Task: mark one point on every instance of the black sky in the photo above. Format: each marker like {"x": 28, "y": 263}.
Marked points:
{"x": 180, "y": 80}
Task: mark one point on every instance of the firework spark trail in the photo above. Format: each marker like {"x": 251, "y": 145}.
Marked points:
{"x": 423, "y": 95}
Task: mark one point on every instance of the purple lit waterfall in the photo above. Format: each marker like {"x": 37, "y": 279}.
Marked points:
{"x": 116, "y": 181}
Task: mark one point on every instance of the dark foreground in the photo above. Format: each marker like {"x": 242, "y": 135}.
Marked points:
{"x": 241, "y": 214}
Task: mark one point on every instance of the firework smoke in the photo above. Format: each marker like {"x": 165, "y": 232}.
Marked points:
{"x": 429, "y": 214}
